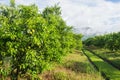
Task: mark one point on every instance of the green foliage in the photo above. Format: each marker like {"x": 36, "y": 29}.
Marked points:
{"x": 78, "y": 42}
{"x": 109, "y": 41}
{"x": 32, "y": 40}
{"x": 12, "y": 3}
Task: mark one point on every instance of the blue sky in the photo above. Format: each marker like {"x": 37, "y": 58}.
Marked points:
{"x": 97, "y": 16}
{"x": 114, "y": 0}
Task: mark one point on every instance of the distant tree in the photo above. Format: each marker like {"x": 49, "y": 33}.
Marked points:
{"x": 12, "y": 3}
{"x": 109, "y": 41}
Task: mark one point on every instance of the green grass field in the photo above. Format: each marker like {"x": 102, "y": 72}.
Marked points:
{"x": 113, "y": 57}
{"x": 109, "y": 70}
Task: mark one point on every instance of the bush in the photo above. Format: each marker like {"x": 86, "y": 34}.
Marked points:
{"x": 31, "y": 39}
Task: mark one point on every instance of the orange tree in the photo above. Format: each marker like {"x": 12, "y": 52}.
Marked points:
{"x": 32, "y": 40}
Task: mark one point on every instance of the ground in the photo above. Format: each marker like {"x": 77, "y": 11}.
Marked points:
{"x": 74, "y": 66}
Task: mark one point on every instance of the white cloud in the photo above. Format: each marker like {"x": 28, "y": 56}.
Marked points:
{"x": 25, "y": 2}
{"x": 96, "y": 14}
{"x": 100, "y": 15}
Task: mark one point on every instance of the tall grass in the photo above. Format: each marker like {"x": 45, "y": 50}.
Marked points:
{"x": 75, "y": 66}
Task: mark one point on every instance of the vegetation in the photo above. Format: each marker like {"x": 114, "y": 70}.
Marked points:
{"x": 106, "y": 46}
{"x": 74, "y": 66}
{"x": 108, "y": 41}
{"x": 110, "y": 72}
{"x": 33, "y": 46}
{"x": 113, "y": 57}
{"x": 31, "y": 41}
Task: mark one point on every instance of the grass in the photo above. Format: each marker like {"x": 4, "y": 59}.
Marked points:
{"x": 109, "y": 70}
{"x": 114, "y": 57}
{"x": 74, "y": 66}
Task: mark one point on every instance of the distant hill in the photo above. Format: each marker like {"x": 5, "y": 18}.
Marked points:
{"x": 87, "y": 32}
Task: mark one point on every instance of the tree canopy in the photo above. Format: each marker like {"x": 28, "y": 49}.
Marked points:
{"x": 32, "y": 40}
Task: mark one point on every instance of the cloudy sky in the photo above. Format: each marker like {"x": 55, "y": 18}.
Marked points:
{"x": 87, "y": 16}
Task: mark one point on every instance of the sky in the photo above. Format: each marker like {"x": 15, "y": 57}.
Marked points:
{"x": 86, "y": 16}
